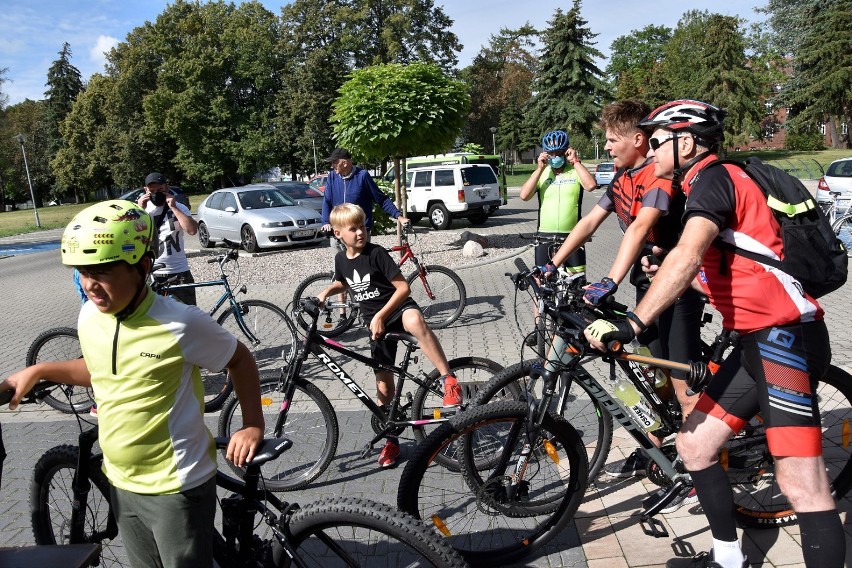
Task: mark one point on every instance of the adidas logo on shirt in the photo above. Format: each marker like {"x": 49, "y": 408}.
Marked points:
{"x": 360, "y": 287}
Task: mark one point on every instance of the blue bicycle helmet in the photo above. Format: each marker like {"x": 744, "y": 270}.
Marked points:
{"x": 554, "y": 140}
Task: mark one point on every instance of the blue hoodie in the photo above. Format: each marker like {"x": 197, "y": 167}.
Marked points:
{"x": 359, "y": 189}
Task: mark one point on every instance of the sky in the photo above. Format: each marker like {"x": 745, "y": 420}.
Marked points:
{"x": 32, "y": 31}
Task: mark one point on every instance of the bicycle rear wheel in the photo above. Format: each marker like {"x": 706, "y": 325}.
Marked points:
{"x": 52, "y": 496}
{"x": 275, "y": 348}
{"x": 331, "y": 324}
{"x": 472, "y": 373}
{"x": 61, "y": 344}
{"x": 448, "y": 295}
{"x": 311, "y": 425}
{"x": 471, "y": 508}
{"x": 759, "y": 501}
{"x": 342, "y": 531}
{"x": 591, "y": 421}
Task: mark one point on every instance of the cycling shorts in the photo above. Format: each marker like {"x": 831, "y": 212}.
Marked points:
{"x": 575, "y": 263}
{"x": 774, "y": 371}
{"x": 676, "y": 334}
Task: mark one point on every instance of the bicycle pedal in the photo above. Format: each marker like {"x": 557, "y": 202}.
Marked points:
{"x": 653, "y": 527}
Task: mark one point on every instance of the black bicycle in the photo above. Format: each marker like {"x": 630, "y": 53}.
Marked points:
{"x": 264, "y": 327}
{"x": 295, "y": 408}
{"x": 521, "y": 479}
{"x": 61, "y": 344}
{"x": 70, "y": 504}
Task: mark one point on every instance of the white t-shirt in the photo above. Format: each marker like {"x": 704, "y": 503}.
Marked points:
{"x": 170, "y": 247}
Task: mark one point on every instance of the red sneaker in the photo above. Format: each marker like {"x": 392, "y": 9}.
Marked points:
{"x": 389, "y": 454}
{"x": 452, "y": 392}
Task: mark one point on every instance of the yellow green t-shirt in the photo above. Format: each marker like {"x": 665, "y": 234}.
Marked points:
{"x": 561, "y": 197}
{"x": 147, "y": 384}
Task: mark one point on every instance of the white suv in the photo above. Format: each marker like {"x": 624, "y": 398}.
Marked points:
{"x": 455, "y": 190}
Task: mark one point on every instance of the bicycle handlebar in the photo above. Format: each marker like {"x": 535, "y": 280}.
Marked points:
{"x": 36, "y": 394}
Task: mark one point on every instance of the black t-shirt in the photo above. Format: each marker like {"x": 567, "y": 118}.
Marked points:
{"x": 368, "y": 277}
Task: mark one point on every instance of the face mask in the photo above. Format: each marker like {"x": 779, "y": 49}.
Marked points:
{"x": 158, "y": 199}
{"x": 556, "y": 162}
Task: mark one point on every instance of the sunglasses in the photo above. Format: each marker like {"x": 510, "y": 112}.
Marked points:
{"x": 656, "y": 142}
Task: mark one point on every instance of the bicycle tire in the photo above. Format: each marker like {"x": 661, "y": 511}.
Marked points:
{"x": 591, "y": 421}
{"x": 311, "y": 425}
{"x": 333, "y": 324}
{"x": 368, "y": 534}
{"x": 277, "y": 347}
{"x": 842, "y": 227}
{"x": 472, "y": 373}
{"x": 759, "y": 502}
{"x": 61, "y": 344}
{"x": 449, "y": 292}
{"x": 461, "y": 507}
{"x": 51, "y": 499}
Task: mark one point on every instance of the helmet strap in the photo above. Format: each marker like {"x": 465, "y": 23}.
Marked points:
{"x": 678, "y": 172}
{"x": 143, "y": 278}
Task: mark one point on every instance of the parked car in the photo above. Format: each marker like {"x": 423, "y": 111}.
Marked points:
{"x": 454, "y": 190}
{"x": 317, "y": 182}
{"x": 301, "y": 193}
{"x": 134, "y": 195}
{"x": 604, "y": 173}
{"x": 259, "y": 216}
{"x": 837, "y": 177}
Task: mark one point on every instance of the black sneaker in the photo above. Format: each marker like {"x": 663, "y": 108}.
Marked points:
{"x": 702, "y": 560}
{"x": 632, "y": 466}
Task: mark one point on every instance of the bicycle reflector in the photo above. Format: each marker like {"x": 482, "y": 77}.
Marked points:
{"x": 551, "y": 451}
{"x": 440, "y": 525}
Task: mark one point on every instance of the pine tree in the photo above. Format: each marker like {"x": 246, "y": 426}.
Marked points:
{"x": 569, "y": 89}
{"x": 64, "y": 83}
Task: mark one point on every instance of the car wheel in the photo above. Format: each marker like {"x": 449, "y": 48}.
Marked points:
{"x": 204, "y": 236}
{"x": 414, "y": 217}
{"x": 249, "y": 239}
{"x": 478, "y": 218}
{"x": 439, "y": 217}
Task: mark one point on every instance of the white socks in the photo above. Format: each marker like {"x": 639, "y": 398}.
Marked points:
{"x": 728, "y": 554}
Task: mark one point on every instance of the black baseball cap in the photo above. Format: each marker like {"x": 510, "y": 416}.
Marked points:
{"x": 339, "y": 154}
{"x": 155, "y": 177}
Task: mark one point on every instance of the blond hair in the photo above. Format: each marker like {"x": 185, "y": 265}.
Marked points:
{"x": 346, "y": 214}
{"x": 622, "y": 116}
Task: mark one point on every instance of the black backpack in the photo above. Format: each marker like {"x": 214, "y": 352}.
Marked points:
{"x": 813, "y": 254}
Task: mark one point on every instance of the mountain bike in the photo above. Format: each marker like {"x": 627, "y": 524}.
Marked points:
{"x": 295, "y": 408}
{"x": 438, "y": 291}
{"x": 70, "y": 503}
{"x": 61, "y": 344}
{"x": 530, "y": 493}
{"x": 264, "y": 327}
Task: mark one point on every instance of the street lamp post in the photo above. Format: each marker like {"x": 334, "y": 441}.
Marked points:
{"x": 313, "y": 143}
{"x": 20, "y": 139}
{"x": 493, "y": 130}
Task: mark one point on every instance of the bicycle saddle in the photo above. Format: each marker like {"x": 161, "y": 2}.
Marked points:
{"x": 400, "y": 336}
{"x": 269, "y": 449}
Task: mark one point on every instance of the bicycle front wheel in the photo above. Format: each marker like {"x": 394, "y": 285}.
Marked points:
{"x": 61, "y": 344}
{"x": 472, "y": 373}
{"x": 440, "y": 293}
{"x": 273, "y": 348}
{"x": 347, "y": 532}
{"x": 758, "y": 497}
{"x": 330, "y": 324}
{"x": 591, "y": 421}
{"x": 311, "y": 425}
{"x": 475, "y": 509}
{"x": 51, "y": 499}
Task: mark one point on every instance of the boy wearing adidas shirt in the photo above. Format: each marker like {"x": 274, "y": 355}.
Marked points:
{"x": 375, "y": 281}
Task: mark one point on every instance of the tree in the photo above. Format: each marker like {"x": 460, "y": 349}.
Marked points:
{"x": 399, "y": 110}
{"x": 821, "y": 90}
{"x": 64, "y": 84}
{"x": 569, "y": 87}
{"x": 27, "y": 118}
{"x": 634, "y": 60}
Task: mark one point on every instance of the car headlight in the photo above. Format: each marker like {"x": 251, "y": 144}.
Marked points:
{"x": 276, "y": 224}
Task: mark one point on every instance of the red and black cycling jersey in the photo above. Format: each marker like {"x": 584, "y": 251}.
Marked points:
{"x": 635, "y": 188}
{"x": 748, "y": 294}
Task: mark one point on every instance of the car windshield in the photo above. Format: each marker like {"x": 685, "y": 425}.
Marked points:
{"x": 842, "y": 168}
{"x": 478, "y": 176}
{"x": 298, "y": 190}
{"x": 606, "y": 167}
{"x": 264, "y": 199}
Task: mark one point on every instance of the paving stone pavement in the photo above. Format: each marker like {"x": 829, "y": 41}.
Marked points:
{"x": 606, "y": 532}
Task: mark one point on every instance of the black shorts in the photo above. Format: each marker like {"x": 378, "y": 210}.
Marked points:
{"x": 185, "y": 295}
{"x": 676, "y": 335}
{"x": 545, "y": 251}
{"x": 774, "y": 371}
{"x": 382, "y": 350}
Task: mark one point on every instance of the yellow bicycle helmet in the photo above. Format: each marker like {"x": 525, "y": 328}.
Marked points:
{"x": 106, "y": 232}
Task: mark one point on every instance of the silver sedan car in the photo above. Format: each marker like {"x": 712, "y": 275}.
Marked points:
{"x": 258, "y": 216}
{"x": 301, "y": 193}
